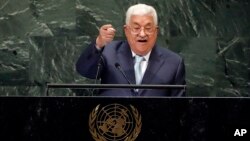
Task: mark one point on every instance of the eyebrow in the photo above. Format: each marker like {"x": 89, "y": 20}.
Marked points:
{"x": 136, "y": 24}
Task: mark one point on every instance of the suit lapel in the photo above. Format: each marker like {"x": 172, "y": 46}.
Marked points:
{"x": 154, "y": 64}
{"x": 126, "y": 61}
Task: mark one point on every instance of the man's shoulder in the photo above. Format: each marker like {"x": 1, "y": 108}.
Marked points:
{"x": 168, "y": 53}
{"x": 115, "y": 43}
{"x": 115, "y": 46}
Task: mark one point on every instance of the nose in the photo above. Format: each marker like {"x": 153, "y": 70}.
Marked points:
{"x": 142, "y": 33}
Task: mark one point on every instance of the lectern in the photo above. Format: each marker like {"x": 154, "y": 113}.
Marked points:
{"x": 90, "y": 118}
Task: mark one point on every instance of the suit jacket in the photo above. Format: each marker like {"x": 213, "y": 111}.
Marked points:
{"x": 164, "y": 67}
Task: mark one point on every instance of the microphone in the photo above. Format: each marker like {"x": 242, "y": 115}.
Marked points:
{"x": 118, "y": 66}
{"x": 98, "y": 71}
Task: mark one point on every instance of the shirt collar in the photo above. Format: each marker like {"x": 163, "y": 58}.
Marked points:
{"x": 146, "y": 57}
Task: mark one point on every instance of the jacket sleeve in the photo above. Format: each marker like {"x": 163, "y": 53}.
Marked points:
{"x": 180, "y": 80}
{"x": 90, "y": 61}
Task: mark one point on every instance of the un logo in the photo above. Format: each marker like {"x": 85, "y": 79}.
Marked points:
{"x": 114, "y": 122}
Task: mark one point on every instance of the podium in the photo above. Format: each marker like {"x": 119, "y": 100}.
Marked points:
{"x": 88, "y": 118}
{"x": 110, "y": 86}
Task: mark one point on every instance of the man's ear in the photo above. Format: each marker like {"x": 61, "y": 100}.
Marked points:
{"x": 124, "y": 26}
{"x": 157, "y": 29}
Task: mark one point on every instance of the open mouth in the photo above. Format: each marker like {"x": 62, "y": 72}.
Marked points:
{"x": 142, "y": 41}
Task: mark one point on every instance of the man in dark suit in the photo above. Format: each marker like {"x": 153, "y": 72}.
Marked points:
{"x": 140, "y": 58}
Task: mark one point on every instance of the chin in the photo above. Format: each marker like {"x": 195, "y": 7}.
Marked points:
{"x": 141, "y": 52}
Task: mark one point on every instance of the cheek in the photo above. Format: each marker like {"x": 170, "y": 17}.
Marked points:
{"x": 152, "y": 40}
{"x": 131, "y": 38}
{"x": 128, "y": 35}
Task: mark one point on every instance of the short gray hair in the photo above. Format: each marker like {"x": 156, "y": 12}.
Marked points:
{"x": 141, "y": 10}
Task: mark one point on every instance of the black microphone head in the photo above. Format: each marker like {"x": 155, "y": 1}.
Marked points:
{"x": 117, "y": 65}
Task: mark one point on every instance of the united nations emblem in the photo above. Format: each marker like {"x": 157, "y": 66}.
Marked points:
{"x": 114, "y": 122}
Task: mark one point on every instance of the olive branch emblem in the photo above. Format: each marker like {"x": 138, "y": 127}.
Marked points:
{"x": 130, "y": 137}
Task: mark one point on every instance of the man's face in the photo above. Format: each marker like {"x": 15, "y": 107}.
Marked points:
{"x": 141, "y": 33}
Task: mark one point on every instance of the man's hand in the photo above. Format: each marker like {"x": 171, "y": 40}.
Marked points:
{"x": 106, "y": 35}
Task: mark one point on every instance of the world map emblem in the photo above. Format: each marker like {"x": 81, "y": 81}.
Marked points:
{"x": 114, "y": 122}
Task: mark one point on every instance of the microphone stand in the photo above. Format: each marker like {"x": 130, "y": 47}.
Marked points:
{"x": 118, "y": 66}
{"x": 97, "y": 73}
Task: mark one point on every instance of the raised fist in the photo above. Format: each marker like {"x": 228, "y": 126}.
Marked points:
{"x": 106, "y": 35}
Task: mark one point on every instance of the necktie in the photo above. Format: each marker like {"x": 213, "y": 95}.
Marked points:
{"x": 138, "y": 69}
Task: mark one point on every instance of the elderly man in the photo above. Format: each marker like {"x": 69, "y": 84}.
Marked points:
{"x": 135, "y": 61}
